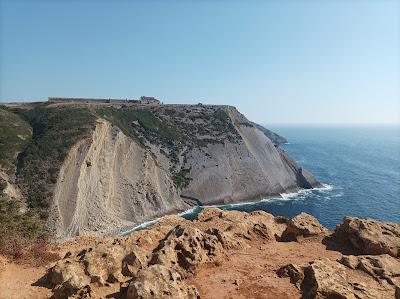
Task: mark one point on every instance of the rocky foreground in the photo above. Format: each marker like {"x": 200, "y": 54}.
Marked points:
{"x": 230, "y": 254}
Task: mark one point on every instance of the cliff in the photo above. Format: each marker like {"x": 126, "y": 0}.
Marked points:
{"x": 106, "y": 167}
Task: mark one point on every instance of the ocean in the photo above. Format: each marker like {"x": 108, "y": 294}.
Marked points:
{"x": 358, "y": 165}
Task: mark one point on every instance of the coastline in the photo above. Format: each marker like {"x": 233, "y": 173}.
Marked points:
{"x": 197, "y": 209}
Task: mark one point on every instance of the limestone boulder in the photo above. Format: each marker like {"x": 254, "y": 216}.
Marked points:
{"x": 209, "y": 214}
{"x": 105, "y": 263}
{"x": 294, "y": 272}
{"x": 369, "y": 236}
{"x": 186, "y": 247}
{"x": 383, "y": 268}
{"x": 302, "y": 225}
{"x": 158, "y": 281}
{"x": 67, "y": 278}
{"x": 328, "y": 279}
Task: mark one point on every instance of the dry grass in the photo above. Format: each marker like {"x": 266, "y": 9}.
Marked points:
{"x": 22, "y": 250}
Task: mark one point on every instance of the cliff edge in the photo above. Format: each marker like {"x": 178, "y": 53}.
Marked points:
{"x": 222, "y": 254}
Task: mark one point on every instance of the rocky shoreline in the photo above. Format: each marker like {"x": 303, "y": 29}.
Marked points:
{"x": 231, "y": 254}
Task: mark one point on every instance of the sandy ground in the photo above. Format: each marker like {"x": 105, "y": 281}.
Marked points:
{"x": 250, "y": 273}
{"x": 17, "y": 281}
{"x": 21, "y": 281}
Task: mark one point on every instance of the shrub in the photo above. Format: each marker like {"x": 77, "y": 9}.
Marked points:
{"x": 180, "y": 179}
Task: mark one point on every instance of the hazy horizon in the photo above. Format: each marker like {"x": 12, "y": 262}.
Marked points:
{"x": 278, "y": 62}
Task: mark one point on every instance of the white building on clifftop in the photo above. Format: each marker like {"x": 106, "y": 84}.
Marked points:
{"x": 149, "y": 100}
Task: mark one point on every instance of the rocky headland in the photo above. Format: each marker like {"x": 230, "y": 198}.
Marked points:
{"x": 224, "y": 254}
{"x": 76, "y": 173}
{"x": 101, "y": 167}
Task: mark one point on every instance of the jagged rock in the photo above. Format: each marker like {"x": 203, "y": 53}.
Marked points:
{"x": 105, "y": 263}
{"x": 282, "y": 219}
{"x": 131, "y": 264}
{"x": 328, "y": 279}
{"x": 158, "y": 281}
{"x": 250, "y": 231}
{"x": 371, "y": 236}
{"x": 68, "y": 278}
{"x": 235, "y": 225}
{"x": 302, "y": 225}
{"x": 226, "y": 239}
{"x": 380, "y": 267}
{"x": 85, "y": 292}
{"x": 209, "y": 214}
{"x": 294, "y": 272}
{"x": 187, "y": 247}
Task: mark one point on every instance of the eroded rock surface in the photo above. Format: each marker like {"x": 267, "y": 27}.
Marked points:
{"x": 294, "y": 272}
{"x": 383, "y": 268}
{"x": 161, "y": 282}
{"x": 328, "y": 279}
{"x": 186, "y": 247}
{"x": 159, "y": 262}
{"x": 303, "y": 225}
{"x": 370, "y": 236}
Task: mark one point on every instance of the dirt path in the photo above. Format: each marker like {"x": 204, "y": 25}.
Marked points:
{"x": 17, "y": 281}
{"x": 250, "y": 273}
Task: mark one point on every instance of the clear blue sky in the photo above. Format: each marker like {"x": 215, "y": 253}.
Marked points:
{"x": 277, "y": 61}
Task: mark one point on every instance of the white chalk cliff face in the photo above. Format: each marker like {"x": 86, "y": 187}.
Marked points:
{"x": 110, "y": 182}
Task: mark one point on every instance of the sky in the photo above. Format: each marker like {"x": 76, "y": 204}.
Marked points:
{"x": 278, "y": 62}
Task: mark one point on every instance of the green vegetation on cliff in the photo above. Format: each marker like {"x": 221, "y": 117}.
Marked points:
{"x": 180, "y": 178}
{"x": 127, "y": 119}
{"x": 36, "y": 138}
{"x": 41, "y": 136}
{"x": 55, "y": 130}
{"x": 15, "y": 134}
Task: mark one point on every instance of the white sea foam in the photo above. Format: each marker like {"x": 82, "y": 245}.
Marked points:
{"x": 140, "y": 226}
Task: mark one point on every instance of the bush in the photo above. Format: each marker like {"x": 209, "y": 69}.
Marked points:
{"x": 180, "y": 179}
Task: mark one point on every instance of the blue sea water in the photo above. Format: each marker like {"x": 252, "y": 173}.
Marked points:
{"x": 359, "y": 165}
